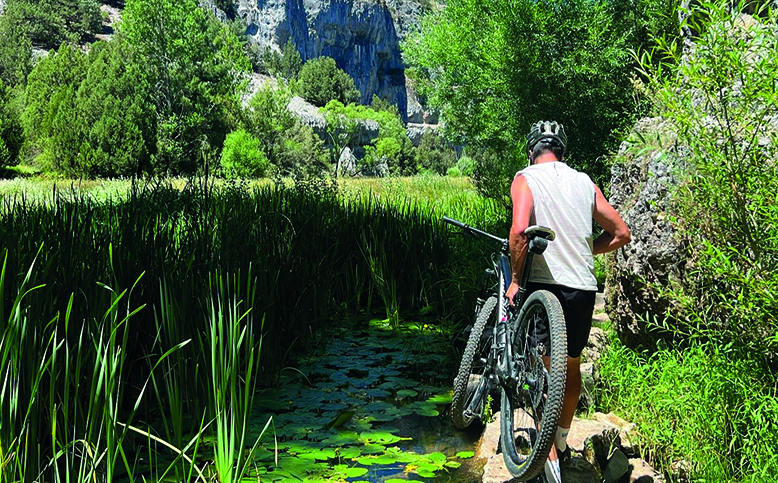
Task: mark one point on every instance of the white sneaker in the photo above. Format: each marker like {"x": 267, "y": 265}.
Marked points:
{"x": 553, "y": 474}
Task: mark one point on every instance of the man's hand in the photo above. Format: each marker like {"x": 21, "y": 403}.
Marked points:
{"x": 513, "y": 289}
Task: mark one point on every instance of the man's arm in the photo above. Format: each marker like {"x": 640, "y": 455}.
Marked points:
{"x": 517, "y": 241}
{"x": 616, "y": 233}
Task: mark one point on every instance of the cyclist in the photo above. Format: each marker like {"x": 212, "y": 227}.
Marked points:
{"x": 550, "y": 193}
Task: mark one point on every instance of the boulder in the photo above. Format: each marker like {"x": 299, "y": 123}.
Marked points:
{"x": 640, "y": 190}
{"x": 416, "y": 132}
{"x": 642, "y": 472}
{"x": 308, "y": 115}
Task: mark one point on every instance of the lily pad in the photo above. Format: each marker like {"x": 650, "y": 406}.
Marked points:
{"x": 441, "y": 398}
{"x": 465, "y": 454}
{"x": 437, "y": 456}
{"x": 376, "y": 460}
{"x": 452, "y": 464}
{"x": 407, "y": 393}
{"x": 373, "y": 448}
{"x": 382, "y": 437}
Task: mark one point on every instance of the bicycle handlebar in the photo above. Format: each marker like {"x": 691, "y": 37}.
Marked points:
{"x": 473, "y": 231}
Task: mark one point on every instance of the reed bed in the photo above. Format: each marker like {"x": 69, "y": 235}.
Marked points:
{"x": 132, "y": 327}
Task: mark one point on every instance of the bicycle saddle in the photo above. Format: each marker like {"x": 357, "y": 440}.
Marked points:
{"x": 541, "y": 231}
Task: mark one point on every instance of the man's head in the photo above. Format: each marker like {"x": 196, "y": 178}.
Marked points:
{"x": 546, "y": 137}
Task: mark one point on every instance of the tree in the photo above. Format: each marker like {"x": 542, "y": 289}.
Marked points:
{"x": 15, "y": 53}
{"x": 91, "y": 115}
{"x": 11, "y": 132}
{"x": 48, "y": 23}
{"x": 495, "y": 67}
{"x": 434, "y": 154}
{"x": 197, "y": 69}
{"x": 321, "y": 81}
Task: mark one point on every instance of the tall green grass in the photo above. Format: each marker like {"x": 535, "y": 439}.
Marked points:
{"x": 704, "y": 413}
{"x": 125, "y": 346}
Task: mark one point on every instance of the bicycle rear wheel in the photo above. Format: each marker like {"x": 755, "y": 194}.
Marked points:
{"x": 532, "y": 402}
{"x": 471, "y": 385}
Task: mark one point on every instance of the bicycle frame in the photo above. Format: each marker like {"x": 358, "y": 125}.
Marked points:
{"x": 502, "y": 339}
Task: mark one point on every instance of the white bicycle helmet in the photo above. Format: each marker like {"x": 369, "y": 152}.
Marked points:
{"x": 550, "y": 130}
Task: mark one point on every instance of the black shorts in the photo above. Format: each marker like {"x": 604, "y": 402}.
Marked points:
{"x": 578, "y": 307}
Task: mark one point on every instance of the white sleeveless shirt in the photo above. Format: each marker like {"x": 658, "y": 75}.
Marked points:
{"x": 563, "y": 200}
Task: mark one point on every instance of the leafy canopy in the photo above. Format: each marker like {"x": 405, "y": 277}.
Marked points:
{"x": 321, "y": 81}
{"x": 495, "y": 67}
{"x": 198, "y": 69}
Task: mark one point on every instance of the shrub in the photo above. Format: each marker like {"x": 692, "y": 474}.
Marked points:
{"x": 321, "y": 81}
{"x": 242, "y": 156}
{"x": 434, "y": 154}
{"x": 292, "y": 147}
{"x": 454, "y": 172}
{"x": 466, "y": 165}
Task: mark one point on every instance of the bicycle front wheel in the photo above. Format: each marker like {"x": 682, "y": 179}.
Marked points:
{"x": 532, "y": 399}
{"x": 472, "y": 384}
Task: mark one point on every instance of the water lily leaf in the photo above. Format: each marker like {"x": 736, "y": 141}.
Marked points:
{"x": 295, "y": 446}
{"x": 465, "y": 454}
{"x": 320, "y": 455}
{"x": 350, "y": 452}
{"x": 376, "y": 460}
{"x": 373, "y": 448}
{"x": 452, "y": 464}
{"x": 407, "y": 393}
{"x": 441, "y": 398}
{"x": 436, "y": 456}
{"x": 396, "y": 480}
{"x": 342, "y": 438}
{"x": 376, "y": 393}
{"x": 350, "y": 472}
{"x": 332, "y": 406}
{"x": 263, "y": 454}
{"x": 426, "y": 470}
{"x": 383, "y": 437}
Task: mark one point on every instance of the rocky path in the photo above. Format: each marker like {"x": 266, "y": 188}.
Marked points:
{"x": 603, "y": 449}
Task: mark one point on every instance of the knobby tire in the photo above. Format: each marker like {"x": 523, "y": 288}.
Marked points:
{"x": 463, "y": 386}
{"x": 525, "y": 448}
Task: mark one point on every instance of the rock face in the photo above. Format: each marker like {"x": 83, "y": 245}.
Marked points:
{"x": 640, "y": 191}
{"x": 362, "y": 36}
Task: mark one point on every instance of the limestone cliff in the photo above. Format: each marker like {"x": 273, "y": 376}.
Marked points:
{"x": 362, "y": 36}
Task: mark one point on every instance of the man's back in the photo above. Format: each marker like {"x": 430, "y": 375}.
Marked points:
{"x": 563, "y": 201}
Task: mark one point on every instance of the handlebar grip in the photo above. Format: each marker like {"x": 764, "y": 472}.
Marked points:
{"x": 454, "y": 222}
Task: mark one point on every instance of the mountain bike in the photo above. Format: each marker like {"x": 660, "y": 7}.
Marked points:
{"x": 505, "y": 353}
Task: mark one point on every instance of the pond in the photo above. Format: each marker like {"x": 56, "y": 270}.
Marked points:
{"x": 371, "y": 404}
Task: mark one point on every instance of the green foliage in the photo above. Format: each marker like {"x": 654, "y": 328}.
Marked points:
{"x": 11, "y": 131}
{"x": 721, "y": 103}
{"x": 198, "y": 68}
{"x": 242, "y": 156}
{"x": 494, "y": 68}
{"x": 434, "y": 154}
{"x": 15, "y": 52}
{"x": 466, "y": 165}
{"x": 292, "y": 147}
{"x": 48, "y": 23}
{"x": 91, "y": 115}
{"x": 321, "y": 81}
{"x": 710, "y": 406}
